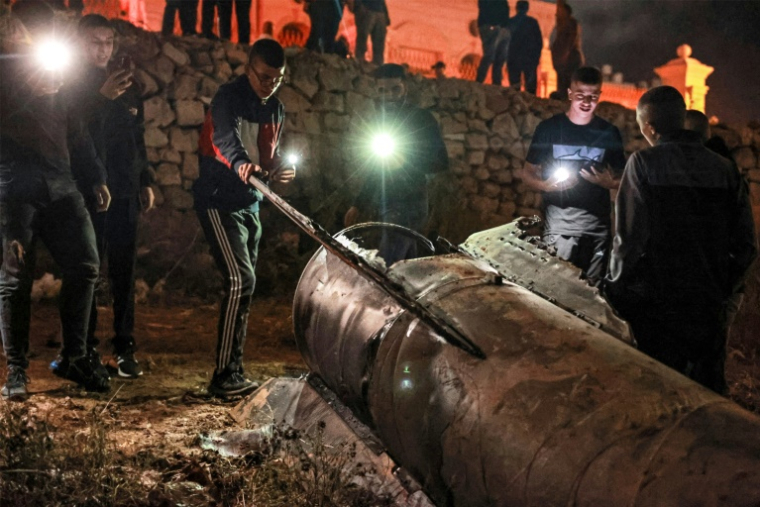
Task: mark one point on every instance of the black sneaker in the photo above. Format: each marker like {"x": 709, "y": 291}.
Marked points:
{"x": 15, "y": 385}
{"x": 125, "y": 365}
{"x": 83, "y": 371}
{"x": 231, "y": 384}
{"x": 97, "y": 363}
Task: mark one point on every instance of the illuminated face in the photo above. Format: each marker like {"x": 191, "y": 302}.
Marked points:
{"x": 642, "y": 118}
{"x": 390, "y": 90}
{"x": 583, "y": 99}
{"x": 98, "y": 45}
{"x": 264, "y": 79}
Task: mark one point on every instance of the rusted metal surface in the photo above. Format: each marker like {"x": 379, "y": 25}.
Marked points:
{"x": 309, "y": 407}
{"x": 368, "y": 270}
{"x": 560, "y": 413}
{"x": 511, "y": 252}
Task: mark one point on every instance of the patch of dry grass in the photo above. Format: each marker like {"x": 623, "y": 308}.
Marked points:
{"x": 42, "y": 466}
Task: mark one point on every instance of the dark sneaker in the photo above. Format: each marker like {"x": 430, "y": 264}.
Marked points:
{"x": 84, "y": 372}
{"x": 97, "y": 363}
{"x": 231, "y": 384}
{"x": 125, "y": 365}
{"x": 15, "y": 385}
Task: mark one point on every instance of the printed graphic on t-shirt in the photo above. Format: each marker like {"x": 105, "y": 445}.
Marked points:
{"x": 578, "y": 153}
{"x": 249, "y": 135}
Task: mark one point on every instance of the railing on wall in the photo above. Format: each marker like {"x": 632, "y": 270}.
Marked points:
{"x": 420, "y": 61}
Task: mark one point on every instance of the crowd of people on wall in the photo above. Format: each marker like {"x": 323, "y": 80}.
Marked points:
{"x": 674, "y": 266}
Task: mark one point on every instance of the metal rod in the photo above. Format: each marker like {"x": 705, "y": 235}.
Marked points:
{"x": 447, "y": 331}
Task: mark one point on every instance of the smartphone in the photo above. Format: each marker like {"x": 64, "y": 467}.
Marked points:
{"x": 125, "y": 63}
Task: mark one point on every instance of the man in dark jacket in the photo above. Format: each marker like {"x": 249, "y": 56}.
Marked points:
{"x": 240, "y": 139}
{"x": 39, "y": 199}
{"x": 112, "y": 109}
{"x": 525, "y": 46}
{"x": 404, "y": 147}
{"x": 372, "y": 22}
{"x": 493, "y": 20}
{"x": 567, "y": 55}
{"x": 685, "y": 239}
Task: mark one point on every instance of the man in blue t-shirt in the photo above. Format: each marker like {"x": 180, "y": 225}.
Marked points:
{"x": 574, "y": 160}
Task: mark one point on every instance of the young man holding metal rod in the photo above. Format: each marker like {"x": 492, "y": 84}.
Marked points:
{"x": 240, "y": 139}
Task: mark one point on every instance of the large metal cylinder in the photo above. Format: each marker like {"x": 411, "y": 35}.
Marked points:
{"x": 559, "y": 413}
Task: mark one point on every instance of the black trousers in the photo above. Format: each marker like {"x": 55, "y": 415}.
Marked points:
{"x": 233, "y": 238}
{"x": 224, "y": 10}
{"x": 65, "y": 228}
{"x": 188, "y": 16}
{"x": 518, "y": 69}
{"x": 116, "y": 234}
{"x": 324, "y": 27}
{"x": 495, "y": 42}
{"x": 690, "y": 338}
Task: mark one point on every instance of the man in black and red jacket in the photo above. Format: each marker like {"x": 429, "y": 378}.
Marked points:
{"x": 239, "y": 139}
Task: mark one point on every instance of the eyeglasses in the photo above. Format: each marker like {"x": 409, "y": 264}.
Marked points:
{"x": 266, "y": 80}
{"x": 581, "y": 97}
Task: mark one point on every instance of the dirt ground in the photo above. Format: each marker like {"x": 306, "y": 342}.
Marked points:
{"x": 168, "y": 406}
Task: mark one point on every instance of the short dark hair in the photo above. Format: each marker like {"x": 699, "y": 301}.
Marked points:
{"x": 270, "y": 51}
{"x": 568, "y": 9}
{"x": 665, "y": 108}
{"x": 523, "y": 6}
{"x": 389, "y": 71}
{"x": 587, "y": 75}
{"x": 90, "y": 21}
{"x": 698, "y": 122}
{"x": 33, "y": 13}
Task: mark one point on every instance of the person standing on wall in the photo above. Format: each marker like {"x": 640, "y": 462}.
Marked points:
{"x": 525, "y": 46}
{"x": 188, "y": 16}
{"x": 574, "y": 160}
{"x": 493, "y": 20}
{"x": 372, "y": 21}
{"x": 567, "y": 55}
{"x": 684, "y": 241}
{"x": 112, "y": 108}
{"x": 224, "y": 10}
{"x": 240, "y": 138}
{"x": 325, "y": 16}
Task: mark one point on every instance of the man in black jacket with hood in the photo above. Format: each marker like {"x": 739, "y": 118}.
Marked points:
{"x": 111, "y": 107}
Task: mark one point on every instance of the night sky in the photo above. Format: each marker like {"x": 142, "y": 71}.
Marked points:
{"x": 635, "y": 36}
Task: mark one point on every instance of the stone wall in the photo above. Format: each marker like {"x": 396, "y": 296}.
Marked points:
{"x": 487, "y": 132}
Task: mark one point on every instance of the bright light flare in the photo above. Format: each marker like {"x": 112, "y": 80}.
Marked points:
{"x": 383, "y": 145}
{"x": 293, "y": 159}
{"x": 561, "y": 174}
{"x": 53, "y": 55}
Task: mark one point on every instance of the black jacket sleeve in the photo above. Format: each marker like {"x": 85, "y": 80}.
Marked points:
{"x": 742, "y": 240}
{"x": 226, "y": 138}
{"x": 632, "y": 227}
{"x": 86, "y": 166}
